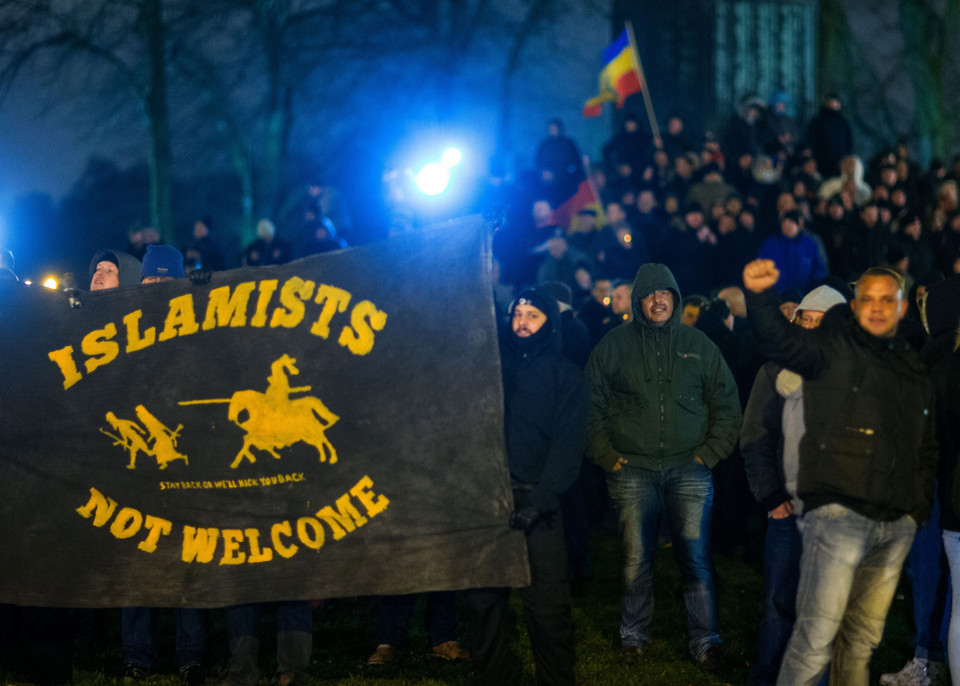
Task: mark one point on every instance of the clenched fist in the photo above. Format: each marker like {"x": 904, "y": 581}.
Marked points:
{"x": 760, "y": 275}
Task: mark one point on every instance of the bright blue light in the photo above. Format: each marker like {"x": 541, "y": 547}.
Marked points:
{"x": 451, "y": 157}
{"x": 432, "y": 179}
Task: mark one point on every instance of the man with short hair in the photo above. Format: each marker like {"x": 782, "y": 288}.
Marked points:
{"x": 663, "y": 411}
{"x": 620, "y": 301}
{"x": 867, "y": 466}
{"x": 769, "y": 442}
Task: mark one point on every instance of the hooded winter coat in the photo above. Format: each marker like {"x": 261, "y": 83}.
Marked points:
{"x": 545, "y": 404}
{"x": 660, "y": 395}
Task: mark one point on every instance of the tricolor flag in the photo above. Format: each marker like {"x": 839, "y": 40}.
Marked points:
{"x": 584, "y": 197}
{"x": 619, "y": 78}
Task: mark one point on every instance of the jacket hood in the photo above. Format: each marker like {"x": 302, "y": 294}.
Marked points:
{"x": 548, "y": 338}
{"x": 821, "y": 299}
{"x": 654, "y": 277}
{"x": 128, "y": 266}
{"x": 940, "y": 309}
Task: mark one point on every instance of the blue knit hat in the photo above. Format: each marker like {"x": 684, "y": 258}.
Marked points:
{"x": 162, "y": 260}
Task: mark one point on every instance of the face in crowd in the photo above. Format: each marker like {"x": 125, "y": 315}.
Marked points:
{"x": 105, "y": 277}
{"x": 620, "y": 300}
{"x": 879, "y": 305}
{"x": 526, "y": 320}
{"x": 658, "y": 307}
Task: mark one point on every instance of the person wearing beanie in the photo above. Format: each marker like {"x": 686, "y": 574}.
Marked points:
{"x": 545, "y": 400}
{"x": 663, "y": 412}
{"x": 867, "y": 466}
{"x": 138, "y": 637}
{"x": 796, "y": 253}
{"x": 770, "y": 442}
{"x": 113, "y": 268}
{"x": 161, "y": 263}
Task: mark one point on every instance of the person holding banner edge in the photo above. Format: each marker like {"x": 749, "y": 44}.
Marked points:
{"x": 545, "y": 400}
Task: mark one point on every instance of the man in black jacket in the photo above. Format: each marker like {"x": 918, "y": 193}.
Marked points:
{"x": 545, "y": 399}
{"x": 866, "y": 469}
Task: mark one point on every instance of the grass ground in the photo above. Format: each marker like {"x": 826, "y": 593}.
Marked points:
{"x": 344, "y": 637}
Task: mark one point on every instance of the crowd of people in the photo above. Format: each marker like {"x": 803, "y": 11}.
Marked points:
{"x": 728, "y": 345}
{"x": 695, "y": 215}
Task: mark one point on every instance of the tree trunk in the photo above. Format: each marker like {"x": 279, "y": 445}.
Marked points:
{"x": 155, "y": 103}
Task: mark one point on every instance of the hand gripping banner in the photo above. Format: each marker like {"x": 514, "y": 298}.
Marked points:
{"x": 330, "y": 427}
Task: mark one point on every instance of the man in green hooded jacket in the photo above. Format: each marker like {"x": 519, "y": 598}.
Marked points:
{"x": 663, "y": 411}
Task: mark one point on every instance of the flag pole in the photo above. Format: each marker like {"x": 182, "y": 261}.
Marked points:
{"x": 601, "y": 220}
{"x": 644, "y": 86}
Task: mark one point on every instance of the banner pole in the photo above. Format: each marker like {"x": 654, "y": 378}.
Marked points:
{"x": 644, "y": 86}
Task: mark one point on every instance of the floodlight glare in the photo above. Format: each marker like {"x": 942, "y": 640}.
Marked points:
{"x": 51, "y": 283}
{"x": 432, "y": 179}
{"x": 451, "y": 157}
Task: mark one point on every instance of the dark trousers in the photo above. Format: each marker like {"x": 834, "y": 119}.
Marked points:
{"x": 546, "y": 606}
{"x": 781, "y": 575}
{"x": 138, "y": 636}
{"x": 396, "y": 611}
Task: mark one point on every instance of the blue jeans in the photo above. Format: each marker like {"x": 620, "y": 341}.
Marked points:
{"x": 685, "y": 496}
{"x": 930, "y": 581}
{"x": 138, "y": 636}
{"x": 848, "y": 575}
{"x": 292, "y": 615}
{"x": 951, "y": 546}
{"x": 781, "y": 575}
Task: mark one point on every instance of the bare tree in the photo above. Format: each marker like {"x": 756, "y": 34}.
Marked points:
{"x": 117, "y": 48}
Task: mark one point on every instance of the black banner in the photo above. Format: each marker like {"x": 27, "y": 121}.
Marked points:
{"x": 330, "y": 427}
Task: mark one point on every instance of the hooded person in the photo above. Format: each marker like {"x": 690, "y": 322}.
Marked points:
{"x": 773, "y": 425}
{"x": 112, "y": 269}
{"x": 545, "y": 399}
{"x": 663, "y": 411}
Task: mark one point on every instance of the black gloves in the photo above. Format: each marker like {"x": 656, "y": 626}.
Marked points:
{"x": 200, "y": 277}
{"x": 527, "y": 518}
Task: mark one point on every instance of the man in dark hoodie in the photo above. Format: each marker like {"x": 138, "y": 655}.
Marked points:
{"x": 867, "y": 466}
{"x": 663, "y": 411}
{"x": 545, "y": 398}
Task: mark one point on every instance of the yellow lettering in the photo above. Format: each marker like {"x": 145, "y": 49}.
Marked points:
{"x": 256, "y": 554}
{"x": 228, "y": 309}
{"x": 334, "y": 300}
{"x": 266, "y": 289}
{"x": 371, "y": 501}
{"x": 104, "y": 508}
{"x": 157, "y": 528}
{"x": 135, "y": 341}
{"x": 283, "y": 528}
{"x": 310, "y": 532}
{"x": 181, "y": 320}
{"x": 365, "y": 318}
{"x": 127, "y": 523}
{"x": 232, "y": 555}
{"x": 98, "y": 347}
{"x": 291, "y": 309}
{"x": 345, "y": 519}
{"x": 68, "y": 366}
{"x": 199, "y": 544}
